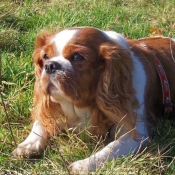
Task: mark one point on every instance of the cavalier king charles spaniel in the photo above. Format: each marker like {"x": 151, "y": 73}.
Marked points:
{"x": 86, "y": 76}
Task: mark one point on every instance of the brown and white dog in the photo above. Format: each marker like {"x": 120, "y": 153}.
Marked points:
{"x": 88, "y": 76}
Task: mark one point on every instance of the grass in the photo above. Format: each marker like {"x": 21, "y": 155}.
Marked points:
{"x": 20, "y": 21}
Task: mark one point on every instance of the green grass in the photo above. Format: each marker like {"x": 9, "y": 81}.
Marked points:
{"x": 20, "y": 21}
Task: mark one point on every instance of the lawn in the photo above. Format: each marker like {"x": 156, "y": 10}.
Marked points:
{"x": 20, "y": 22}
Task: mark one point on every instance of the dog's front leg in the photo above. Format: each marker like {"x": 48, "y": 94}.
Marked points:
{"x": 123, "y": 146}
{"x": 34, "y": 144}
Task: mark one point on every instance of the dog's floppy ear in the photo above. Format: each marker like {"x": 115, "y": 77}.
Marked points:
{"x": 115, "y": 95}
{"x": 41, "y": 41}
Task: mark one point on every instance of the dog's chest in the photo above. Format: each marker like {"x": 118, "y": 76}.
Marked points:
{"x": 76, "y": 118}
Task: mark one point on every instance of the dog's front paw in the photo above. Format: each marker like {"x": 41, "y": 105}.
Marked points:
{"x": 82, "y": 167}
{"x": 30, "y": 150}
{"x": 32, "y": 147}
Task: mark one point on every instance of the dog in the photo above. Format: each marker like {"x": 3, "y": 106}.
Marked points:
{"x": 87, "y": 76}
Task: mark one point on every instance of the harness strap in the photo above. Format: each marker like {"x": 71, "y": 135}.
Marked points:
{"x": 165, "y": 86}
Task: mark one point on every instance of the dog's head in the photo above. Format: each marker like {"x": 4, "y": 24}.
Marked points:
{"x": 86, "y": 66}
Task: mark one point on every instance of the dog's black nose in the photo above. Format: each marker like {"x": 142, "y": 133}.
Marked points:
{"x": 52, "y": 66}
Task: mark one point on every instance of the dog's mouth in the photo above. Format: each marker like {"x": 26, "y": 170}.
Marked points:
{"x": 54, "y": 89}
{"x": 49, "y": 85}
{"x": 50, "y": 88}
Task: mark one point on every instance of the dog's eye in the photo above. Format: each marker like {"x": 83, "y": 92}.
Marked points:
{"x": 77, "y": 57}
{"x": 46, "y": 57}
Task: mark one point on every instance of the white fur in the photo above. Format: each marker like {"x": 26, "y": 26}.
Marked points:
{"x": 139, "y": 81}
{"x": 34, "y": 142}
{"x": 143, "y": 45}
{"x": 62, "y": 38}
{"x": 77, "y": 118}
{"x": 118, "y": 38}
{"x": 173, "y": 39}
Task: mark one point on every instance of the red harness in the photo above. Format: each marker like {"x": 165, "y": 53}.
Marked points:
{"x": 165, "y": 86}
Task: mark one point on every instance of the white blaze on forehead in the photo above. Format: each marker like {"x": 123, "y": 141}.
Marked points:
{"x": 62, "y": 38}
